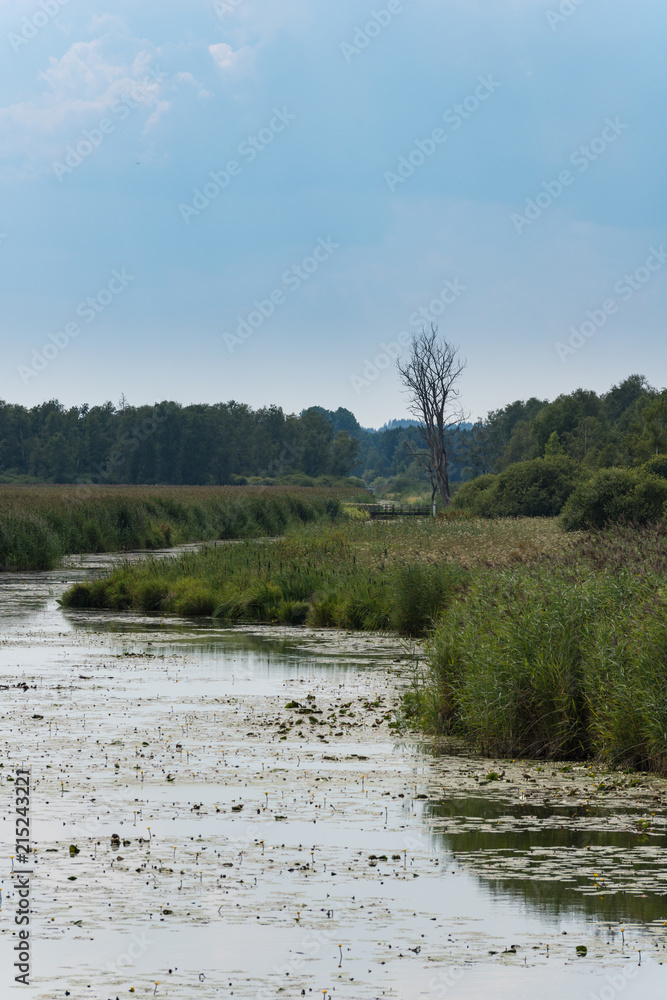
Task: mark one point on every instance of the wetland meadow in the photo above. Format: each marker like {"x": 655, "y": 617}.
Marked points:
{"x": 360, "y": 759}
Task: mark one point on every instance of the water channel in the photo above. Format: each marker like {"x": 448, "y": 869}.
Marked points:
{"x": 195, "y": 836}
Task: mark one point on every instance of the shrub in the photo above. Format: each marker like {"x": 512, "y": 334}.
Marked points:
{"x": 471, "y": 496}
{"x": 538, "y": 488}
{"x": 614, "y": 495}
{"x": 656, "y": 466}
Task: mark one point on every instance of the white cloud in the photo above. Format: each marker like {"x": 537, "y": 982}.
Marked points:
{"x": 79, "y": 89}
{"x": 162, "y": 108}
{"x": 83, "y": 70}
{"x": 237, "y": 62}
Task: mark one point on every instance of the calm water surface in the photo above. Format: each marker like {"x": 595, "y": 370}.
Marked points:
{"x": 256, "y": 862}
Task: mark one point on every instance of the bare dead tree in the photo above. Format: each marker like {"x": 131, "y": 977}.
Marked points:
{"x": 430, "y": 377}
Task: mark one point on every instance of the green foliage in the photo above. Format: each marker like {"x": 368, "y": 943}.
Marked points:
{"x": 558, "y": 663}
{"x": 419, "y": 594}
{"x": 656, "y": 466}
{"x": 655, "y": 423}
{"x": 224, "y": 443}
{"x": 564, "y": 416}
{"x": 616, "y": 495}
{"x": 28, "y": 542}
{"x": 321, "y": 576}
{"x": 538, "y": 488}
{"x": 624, "y": 426}
{"x": 553, "y": 446}
{"x": 470, "y": 497}
{"x": 39, "y": 525}
{"x": 344, "y": 454}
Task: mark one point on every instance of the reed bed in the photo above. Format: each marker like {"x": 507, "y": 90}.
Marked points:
{"x": 396, "y": 575}
{"x": 558, "y": 660}
{"x": 540, "y": 643}
{"x": 41, "y": 524}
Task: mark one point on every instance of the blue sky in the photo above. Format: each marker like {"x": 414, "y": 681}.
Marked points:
{"x": 369, "y": 159}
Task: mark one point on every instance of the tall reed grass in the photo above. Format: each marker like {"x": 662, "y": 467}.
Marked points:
{"x": 41, "y": 524}
{"x": 540, "y": 643}
{"x": 315, "y": 575}
{"x": 396, "y": 575}
{"x": 560, "y": 661}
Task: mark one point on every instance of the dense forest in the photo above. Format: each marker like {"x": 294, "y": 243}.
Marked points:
{"x": 223, "y": 443}
{"x": 230, "y": 443}
{"x": 623, "y": 427}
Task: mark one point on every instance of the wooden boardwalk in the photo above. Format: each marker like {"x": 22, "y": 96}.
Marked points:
{"x": 388, "y": 510}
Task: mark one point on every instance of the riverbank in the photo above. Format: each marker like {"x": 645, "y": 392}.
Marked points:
{"x": 39, "y": 525}
{"x": 541, "y": 643}
{"x": 395, "y": 575}
{"x": 259, "y": 855}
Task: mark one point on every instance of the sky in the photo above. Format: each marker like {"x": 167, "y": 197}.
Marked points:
{"x": 263, "y": 201}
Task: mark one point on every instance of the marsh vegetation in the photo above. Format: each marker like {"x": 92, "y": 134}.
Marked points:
{"x": 540, "y": 642}
{"x": 41, "y": 524}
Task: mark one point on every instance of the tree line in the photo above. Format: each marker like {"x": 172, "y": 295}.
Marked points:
{"x": 227, "y": 443}
{"x": 625, "y": 426}
{"x": 200, "y": 444}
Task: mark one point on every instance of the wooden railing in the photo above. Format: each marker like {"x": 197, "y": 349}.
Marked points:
{"x": 387, "y": 510}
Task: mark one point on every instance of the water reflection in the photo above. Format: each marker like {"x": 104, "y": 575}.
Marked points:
{"x": 561, "y": 861}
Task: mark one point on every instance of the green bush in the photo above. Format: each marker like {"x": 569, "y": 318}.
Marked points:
{"x": 656, "y": 466}
{"x": 538, "y": 488}
{"x": 472, "y": 496}
{"x": 615, "y": 495}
